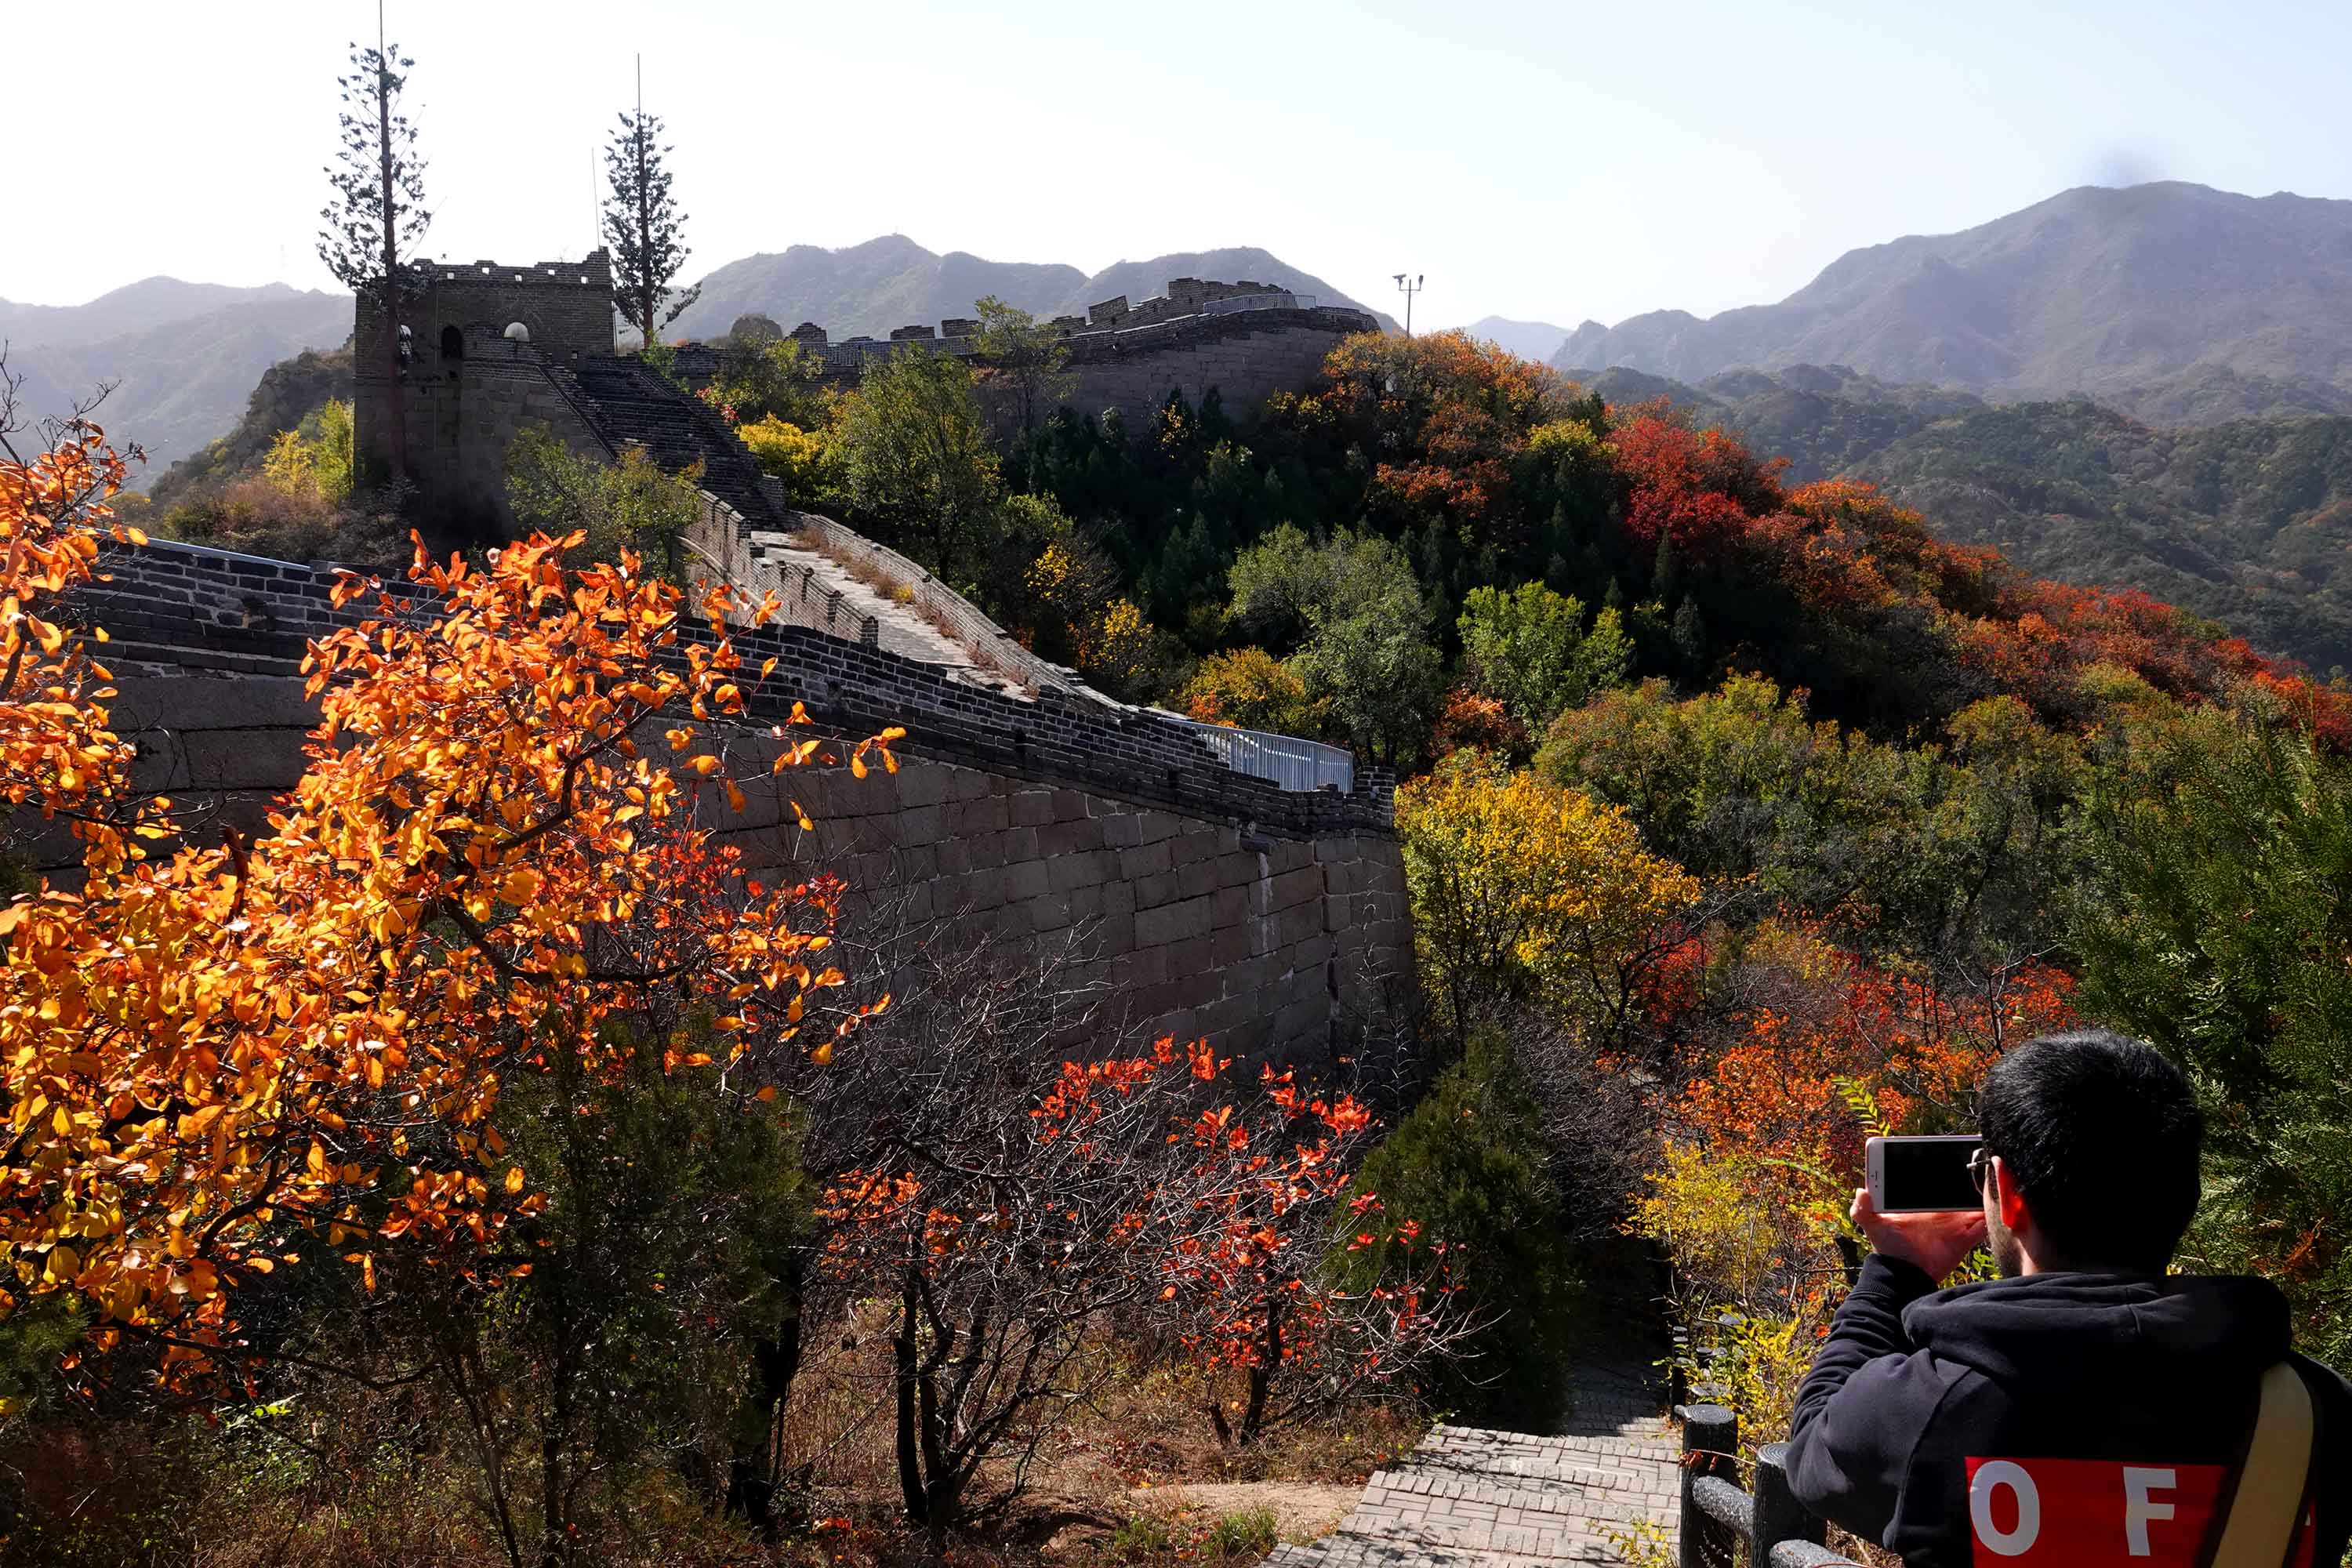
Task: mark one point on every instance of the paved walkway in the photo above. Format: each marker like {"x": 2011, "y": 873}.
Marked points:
{"x": 900, "y": 628}
{"x": 1473, "y": 1498}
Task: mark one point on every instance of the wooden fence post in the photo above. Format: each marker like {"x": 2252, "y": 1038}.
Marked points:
{"x": 1710, "y": 1438}
{"x": 1779, "y": 1515}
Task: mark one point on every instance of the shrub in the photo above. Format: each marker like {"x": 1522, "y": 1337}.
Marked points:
{"x": 1251, "y": 1535}
{"x": 256, "y": 517}
{"x": 804, "y": 459}
{"x": 1468, "y": 1165}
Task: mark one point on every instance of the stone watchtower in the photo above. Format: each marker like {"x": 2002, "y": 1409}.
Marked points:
{"x": 487, "y": 348}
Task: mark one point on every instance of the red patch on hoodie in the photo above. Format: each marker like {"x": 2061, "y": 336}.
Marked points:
{"x": 2099, "y": 1513}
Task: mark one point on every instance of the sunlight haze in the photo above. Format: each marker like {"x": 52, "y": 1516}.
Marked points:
{"x": 1550, "y": 162}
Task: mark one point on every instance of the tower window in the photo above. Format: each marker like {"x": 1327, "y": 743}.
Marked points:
{"x": 453, "y": 343}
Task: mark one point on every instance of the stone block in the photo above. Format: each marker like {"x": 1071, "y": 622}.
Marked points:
{"x": 1239, "y": 870}
{"x": 1196, "y": 878}
{"x": 1302, "y": 1023}
{"x": 1084, "y": 869}
{"x": 1119, "y": 897}
{"x": 1026, "y": 879}
{"x": 1144, "y": 859}
{"x": 1069, "y": 805}
{"x": 1075, "y": 837}
{"x": 1294, "y": 888}
{"x": 1297, "y": 923}
{"x": 921, "y": 825}
{"x": 1232, "y": 907}
{"x": 1142, "y": 967}
{"x": 1230, "y": 944}
{"x": 1124, "y": 831}
{"x": 1019, "y": 843}
{"x": 1033, "y": 808}
{"x": 1155, "y": 890}
{"x": 923, "y": 784}
{"x": 1172, "y": 922}
{"x": 1048, "y": 913}
{"x": 987, "y": 814}
{"x": 1191, "y": 848}
{"x": 1189, "y": 963}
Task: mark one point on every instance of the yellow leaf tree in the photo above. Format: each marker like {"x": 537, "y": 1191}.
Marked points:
{"x": 1525, "y": 892}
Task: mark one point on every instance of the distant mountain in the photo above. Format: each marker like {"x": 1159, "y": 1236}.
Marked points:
{"x": 1142, "y": 279}
{"x": 133, "y": 307}
{"x": 2247, "y": 523}
{"x": 1538, "y": 340}
{"x": 288, "y": 392}
{"x": 186, "y": 356}
{"x": 2162, "y": 297}
{"x": 894, "y": 282}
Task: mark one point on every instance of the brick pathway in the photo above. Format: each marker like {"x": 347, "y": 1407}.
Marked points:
{"x": 1473, "y": 1498}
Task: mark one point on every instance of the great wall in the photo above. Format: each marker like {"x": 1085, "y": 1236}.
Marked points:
{"x": 1244, "y": 888}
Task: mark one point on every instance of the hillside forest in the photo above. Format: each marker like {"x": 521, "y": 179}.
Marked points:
{"x": 481, "y": 1166}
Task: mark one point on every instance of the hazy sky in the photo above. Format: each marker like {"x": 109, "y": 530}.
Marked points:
{"x": 1556, "y": 161}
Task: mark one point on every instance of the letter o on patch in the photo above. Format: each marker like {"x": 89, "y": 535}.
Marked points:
{"x": 1991, "y": 1476}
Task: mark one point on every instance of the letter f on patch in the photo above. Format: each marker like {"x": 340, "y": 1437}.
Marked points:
{"x": 2139, "y": 1508}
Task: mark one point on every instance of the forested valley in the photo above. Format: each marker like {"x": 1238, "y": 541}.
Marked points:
{"x": 483, "y": 1166}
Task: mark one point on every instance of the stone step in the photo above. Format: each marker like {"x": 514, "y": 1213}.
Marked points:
{"x": 1345, "y": 1548}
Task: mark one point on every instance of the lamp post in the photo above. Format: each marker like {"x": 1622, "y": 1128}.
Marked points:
{"x": 1409, "y": 290}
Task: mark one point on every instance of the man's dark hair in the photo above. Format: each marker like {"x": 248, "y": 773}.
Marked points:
{"x": 2101, "y": 1133}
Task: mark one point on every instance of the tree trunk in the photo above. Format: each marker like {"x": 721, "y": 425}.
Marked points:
{"x": 397, "y": 395}
{"x": 775, "y": 1363}
{"x": 645, "y": 236}
{"x": 1261, "y": 1377}
{"x": 910, "y": 1464}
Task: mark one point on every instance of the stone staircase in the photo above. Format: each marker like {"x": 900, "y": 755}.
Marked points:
{"x": 782, "y": 563}
{"x": 1473, "y": 1498}
{"x": 630, "y": 403}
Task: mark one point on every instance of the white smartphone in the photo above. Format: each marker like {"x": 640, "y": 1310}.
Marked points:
{"x": 1922, "y": 1175}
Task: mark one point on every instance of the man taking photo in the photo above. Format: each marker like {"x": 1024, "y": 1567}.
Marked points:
{"x": 2085, "y": 1408}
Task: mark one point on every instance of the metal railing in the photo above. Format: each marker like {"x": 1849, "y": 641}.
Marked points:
{"x": 1718, "y": 1518}
{"x": 1290, "y": 763}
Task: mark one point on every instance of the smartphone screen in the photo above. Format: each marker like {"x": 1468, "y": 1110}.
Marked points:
{"x": 1926, "y": 1174}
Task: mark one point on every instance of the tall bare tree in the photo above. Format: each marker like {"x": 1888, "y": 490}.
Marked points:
{"x": 371, "y": 228}
{"x": 642, "y": 223}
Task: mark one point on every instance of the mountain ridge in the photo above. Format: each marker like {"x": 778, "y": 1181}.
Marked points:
{"x": 2245, "y": 522}
{"x": 2096, "y": 290}
{"x": 891, "y": 282}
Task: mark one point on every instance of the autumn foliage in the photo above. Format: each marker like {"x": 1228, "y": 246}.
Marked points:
{"x": 285, "y": 1050}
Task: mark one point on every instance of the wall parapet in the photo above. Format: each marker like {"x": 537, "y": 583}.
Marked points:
{"x": 175, "y": 608}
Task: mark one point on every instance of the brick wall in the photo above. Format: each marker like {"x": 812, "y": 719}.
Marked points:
{"x": 1246, "y": 365}
{"x": 463, "y": 413}
{"x": 1285, "y": 946}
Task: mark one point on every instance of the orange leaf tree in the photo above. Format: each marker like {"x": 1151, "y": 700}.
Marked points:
{"x": 1012, "y": 1234}
{"x": 223, "y": 1061}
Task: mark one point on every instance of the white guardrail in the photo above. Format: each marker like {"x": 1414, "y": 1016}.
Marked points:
{"x": 1290, "y": 763}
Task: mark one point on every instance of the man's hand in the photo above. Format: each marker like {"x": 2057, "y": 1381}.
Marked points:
{"x": 1934, "y": 1241}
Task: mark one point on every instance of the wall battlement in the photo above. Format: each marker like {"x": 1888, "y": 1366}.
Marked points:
{"x": 1245, "y": 341}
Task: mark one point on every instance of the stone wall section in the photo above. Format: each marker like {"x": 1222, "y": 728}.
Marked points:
{"x": 1285, "y": 947}
{"x": 463, "y": 414}
{"x": 1282, "y": 947}
{"x": 1245, "y": 367}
